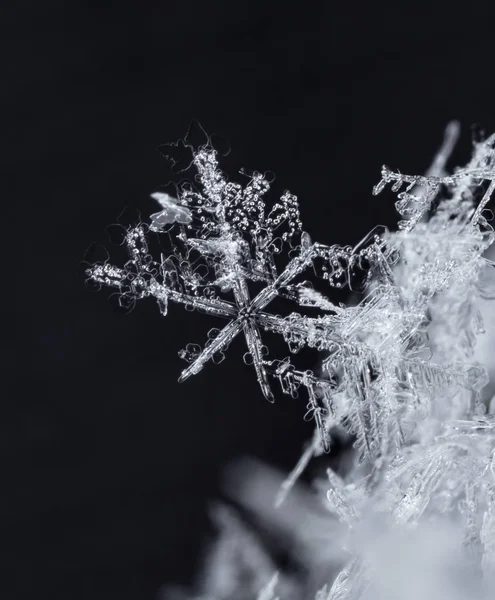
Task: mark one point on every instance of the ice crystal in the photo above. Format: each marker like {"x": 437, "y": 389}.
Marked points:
{"x": 399, "y": 371}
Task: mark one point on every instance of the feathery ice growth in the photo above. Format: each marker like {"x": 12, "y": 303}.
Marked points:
{"x": 399, "y": 370}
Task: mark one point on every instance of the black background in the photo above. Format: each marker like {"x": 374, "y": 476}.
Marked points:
{"x": 107, "y": 462}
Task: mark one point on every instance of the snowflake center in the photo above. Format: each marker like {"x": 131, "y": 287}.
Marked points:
{"x": 246, "y": 313}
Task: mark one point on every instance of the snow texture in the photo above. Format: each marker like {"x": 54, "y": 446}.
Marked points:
{"x": 414, "y": 516}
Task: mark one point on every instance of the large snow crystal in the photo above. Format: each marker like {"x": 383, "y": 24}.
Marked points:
{"x": 398, "y": 371}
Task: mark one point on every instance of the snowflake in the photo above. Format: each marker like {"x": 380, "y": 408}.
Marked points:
{"x": 398, "y": 369}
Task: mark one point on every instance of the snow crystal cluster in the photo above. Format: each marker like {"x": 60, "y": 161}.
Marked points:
{"x": 414, "y": 514}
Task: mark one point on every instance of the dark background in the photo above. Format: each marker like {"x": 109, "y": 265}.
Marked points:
{"x": 107, "y": 462}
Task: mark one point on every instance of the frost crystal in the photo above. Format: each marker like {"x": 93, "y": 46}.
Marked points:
{"x": 398, "y": 370}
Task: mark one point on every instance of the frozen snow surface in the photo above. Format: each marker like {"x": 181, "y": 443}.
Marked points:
{"x": 404, "y": 373}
